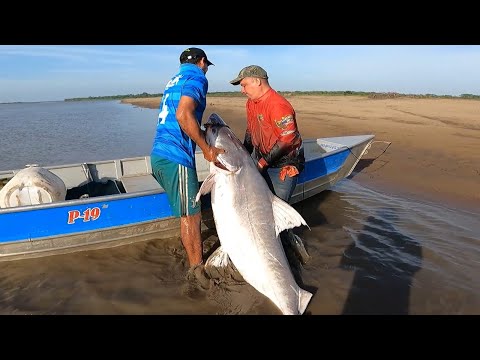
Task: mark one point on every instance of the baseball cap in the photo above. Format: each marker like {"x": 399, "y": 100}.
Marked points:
{"x": 250, "y": 71}
{"x": 193, "y": 53}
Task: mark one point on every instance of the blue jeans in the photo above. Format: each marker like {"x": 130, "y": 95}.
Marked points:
{"x": 283, "y": 189}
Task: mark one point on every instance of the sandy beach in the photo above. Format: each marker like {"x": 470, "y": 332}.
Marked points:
{"x": 424, "y": 149}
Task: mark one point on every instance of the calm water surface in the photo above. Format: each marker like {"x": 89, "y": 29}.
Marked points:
{"x": 371, "y": 253}
{"x": 52, "y": 133}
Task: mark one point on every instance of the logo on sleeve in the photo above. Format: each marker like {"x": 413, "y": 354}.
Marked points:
{"x": 284, "y": 121}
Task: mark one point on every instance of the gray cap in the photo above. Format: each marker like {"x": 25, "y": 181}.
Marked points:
{"x": 250, "y": 71}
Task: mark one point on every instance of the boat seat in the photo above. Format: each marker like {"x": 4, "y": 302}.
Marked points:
{"x": 140, "y": 183}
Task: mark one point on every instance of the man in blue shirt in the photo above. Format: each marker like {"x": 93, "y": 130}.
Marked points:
{"x": 173, "y": 152}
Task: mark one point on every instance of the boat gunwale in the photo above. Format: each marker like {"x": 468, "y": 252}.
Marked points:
{"x": 90, "y": 200}
{"x": 365, "y": 139}
{"x": 141, "y": 193}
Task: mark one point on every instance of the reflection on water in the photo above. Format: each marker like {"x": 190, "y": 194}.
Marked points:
{"x": 370, "y": 254}
{"x": 385, "y": 262}
{"x": 403, "y": 257}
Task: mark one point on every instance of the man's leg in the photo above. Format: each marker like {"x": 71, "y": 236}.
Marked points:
{"x": 191, "y": 238}
{"x": 283, "y": 189}
{"x": 181, "y": 186}
{"x": 190, "y": 230}
{"x": 192, "y": 242}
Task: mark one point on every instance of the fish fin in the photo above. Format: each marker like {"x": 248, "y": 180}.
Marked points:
{"x": 219, "y": 258}
{"x": 219, "y": 266}
{"x": 207, "y": 186}
{"x": 304, "y": 298}
{"x": 296, "y": 243}
{"x": 286, "y": 217}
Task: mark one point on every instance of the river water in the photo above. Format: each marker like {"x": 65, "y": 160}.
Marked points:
{"x": 371, "y": 253}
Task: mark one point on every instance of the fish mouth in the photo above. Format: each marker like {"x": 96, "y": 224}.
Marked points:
{"x": 220, "y": 165}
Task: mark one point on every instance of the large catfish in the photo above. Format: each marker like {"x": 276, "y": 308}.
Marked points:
{"x": 249, "y": 218}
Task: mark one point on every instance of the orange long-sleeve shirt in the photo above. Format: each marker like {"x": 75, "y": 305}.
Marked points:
{"x": 271, "y": 120}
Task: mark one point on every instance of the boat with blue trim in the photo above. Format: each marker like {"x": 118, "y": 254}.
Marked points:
{"x": 101, "y": 204}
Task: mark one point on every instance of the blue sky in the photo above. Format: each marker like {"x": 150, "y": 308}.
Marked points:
{"x": 56, "y": 72}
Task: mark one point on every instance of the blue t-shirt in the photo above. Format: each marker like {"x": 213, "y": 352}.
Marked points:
{"x": 170, "y": 141}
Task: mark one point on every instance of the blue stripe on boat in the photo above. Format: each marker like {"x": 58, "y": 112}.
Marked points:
{"x": 323, "y": 166}
{"x": 30, "y": 224}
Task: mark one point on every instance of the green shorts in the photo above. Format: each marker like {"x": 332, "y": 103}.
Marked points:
{"x": 180, "y": 183}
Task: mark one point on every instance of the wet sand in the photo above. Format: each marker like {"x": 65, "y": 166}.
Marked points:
{"x": 424, "y": 149}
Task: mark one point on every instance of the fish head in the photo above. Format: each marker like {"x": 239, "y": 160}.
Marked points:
{"x": 219, "y": 134}
{"x": 212, "y": 129}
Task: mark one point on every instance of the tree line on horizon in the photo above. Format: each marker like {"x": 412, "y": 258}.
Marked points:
{"x": 373, "y": 95}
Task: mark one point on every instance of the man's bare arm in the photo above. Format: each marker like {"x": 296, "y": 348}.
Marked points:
{"x": 188, "y": 122}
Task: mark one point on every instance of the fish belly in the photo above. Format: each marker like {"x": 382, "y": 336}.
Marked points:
{"x": 245, "y": 227}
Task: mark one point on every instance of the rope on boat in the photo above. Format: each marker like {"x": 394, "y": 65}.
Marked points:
{"x": 369, "y": 146}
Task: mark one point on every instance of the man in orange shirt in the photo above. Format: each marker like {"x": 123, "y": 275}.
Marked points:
{"x": 272, "y": 135}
